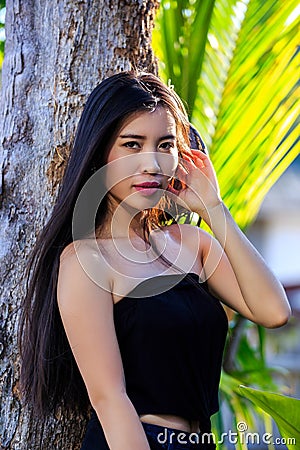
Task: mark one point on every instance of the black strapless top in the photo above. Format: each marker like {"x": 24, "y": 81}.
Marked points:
{"x": 171, "y": 333}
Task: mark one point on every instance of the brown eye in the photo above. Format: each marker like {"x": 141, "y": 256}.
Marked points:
{"x": 167, "y": 146}
{"x": 132, "y": 144}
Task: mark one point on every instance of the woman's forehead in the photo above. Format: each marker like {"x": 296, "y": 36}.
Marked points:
{"x": 160, "y": 118}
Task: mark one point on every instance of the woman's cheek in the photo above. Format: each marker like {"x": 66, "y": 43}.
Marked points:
{"x": 118, "y": 172}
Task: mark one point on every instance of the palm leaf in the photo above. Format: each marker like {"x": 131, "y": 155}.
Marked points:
{"x": 256, "y": 131}
{"x": 284, "y": 410}
{"x": 235, "y": 64}
{"x": 182, "y": 27}
{"x": 221, "y": 42}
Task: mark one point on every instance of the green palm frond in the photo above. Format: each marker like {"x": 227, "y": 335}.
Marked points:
{"x": 235, "y": 65}
{"x": 221, "y": 40}
{"x": 256, "y": 131}
{"x": 180, "y": 29}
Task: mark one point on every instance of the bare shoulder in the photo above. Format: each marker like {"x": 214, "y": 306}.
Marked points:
{"x": 188, "y": 233}
{"x": 82, "y": 265}
{"x": 75, "y": 248}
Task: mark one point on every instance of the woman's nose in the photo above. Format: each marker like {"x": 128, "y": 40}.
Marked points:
{"x": 149, "y": 162}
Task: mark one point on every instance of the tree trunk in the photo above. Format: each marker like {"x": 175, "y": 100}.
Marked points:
{"x": 56, "y": 52}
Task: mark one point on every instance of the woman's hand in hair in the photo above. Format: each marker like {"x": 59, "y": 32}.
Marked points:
{"x": 199, "y": 188}
{"x": 235, "y": 271}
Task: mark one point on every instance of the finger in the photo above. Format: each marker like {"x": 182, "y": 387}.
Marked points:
{"x": 199, "y": 154}
{"x": 205, "y": 158}
{"x": 195, "y": 163}
{"x": 186, "y": 164}
{"x": 199, "y": 162}
{"x": 186, "y": 157}
{"x": 182, "y": 171}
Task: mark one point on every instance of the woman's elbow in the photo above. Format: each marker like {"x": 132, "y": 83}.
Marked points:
{"x": 278, "y": 318}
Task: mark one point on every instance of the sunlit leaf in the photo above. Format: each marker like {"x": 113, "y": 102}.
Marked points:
{"x": 235, "y": 63}
{"x": 284, "y": 410}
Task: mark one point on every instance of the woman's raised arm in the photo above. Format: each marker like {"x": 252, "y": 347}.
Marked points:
{"x": 235, "y": 270}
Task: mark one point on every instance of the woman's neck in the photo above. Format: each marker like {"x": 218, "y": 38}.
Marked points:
{"x": 122, "y": 223}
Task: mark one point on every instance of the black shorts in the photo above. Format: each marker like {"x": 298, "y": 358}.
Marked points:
{"x": 159, "y": 438}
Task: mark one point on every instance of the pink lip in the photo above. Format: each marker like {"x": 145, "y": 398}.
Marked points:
{"x": 148, "y": 187}
{"x": 148, "y": 184}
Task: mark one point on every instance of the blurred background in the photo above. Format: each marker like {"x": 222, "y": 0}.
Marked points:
{"x": 276, "y": 233}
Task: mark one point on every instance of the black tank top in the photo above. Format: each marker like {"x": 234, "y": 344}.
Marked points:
{"x": 171, "y": 345}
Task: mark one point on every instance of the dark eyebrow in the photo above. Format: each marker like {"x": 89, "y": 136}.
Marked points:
{"x": 168, "y": 136}
{"x": 137, "y": 136}
{"x": 131, "y": 136}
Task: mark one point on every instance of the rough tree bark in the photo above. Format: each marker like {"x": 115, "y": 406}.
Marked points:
{"x": 56, "y": 52}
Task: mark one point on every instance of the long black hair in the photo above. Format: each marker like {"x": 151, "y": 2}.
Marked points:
{"x": 49, "y": 374}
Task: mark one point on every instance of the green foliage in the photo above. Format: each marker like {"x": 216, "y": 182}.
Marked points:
{"x": 238, "y": 404}
{"x": 250, "y": 363}
{"x": 256, "y": 131}
{"x": 250, "y": 367}
{"x": 284, "y": 410}
{"x": 235, "y": 65}
{"x": 182, "y": 25}
{"x": 1, "y": 53}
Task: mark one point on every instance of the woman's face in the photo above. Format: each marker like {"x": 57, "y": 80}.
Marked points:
{"x": 142, "y": 159}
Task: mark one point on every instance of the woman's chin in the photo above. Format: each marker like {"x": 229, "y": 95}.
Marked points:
{"x": 141, "y": 201}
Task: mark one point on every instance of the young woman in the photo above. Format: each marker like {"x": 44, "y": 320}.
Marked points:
{"x": 123, "y": 309}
